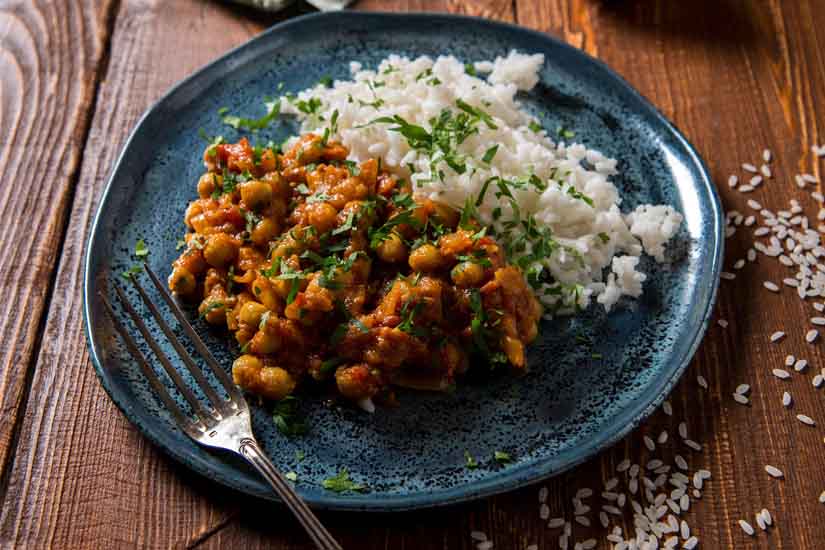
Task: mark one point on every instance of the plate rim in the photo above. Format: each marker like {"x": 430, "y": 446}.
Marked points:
{"x": 529, "y": 474}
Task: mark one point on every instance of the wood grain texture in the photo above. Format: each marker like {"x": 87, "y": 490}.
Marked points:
{"x": 49, "y": 59}
{"x": 736, "y": 77}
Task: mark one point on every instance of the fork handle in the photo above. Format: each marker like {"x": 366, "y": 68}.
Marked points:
{"x": 251, "y": 451}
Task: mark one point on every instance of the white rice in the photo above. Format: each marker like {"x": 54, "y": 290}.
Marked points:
{"x": 599, "y": 246}
{"x": 773, "y": 471}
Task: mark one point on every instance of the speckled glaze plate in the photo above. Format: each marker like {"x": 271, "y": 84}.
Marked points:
{"x": 566, "y": 409}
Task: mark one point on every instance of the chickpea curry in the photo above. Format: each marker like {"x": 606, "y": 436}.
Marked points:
{"x": 334, "y": 271}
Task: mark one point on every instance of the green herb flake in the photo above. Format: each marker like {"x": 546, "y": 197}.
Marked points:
{"x": 470, "y": 462}
{"x": 141, "y": 250}
{"x": 325, "y": 81}
{"x": 211, "y": 307}
{"x": 287, "y": 417}
{"x": 470, "y": 69}
{"x": 604, "y": 237}
{"x": 273, "y": 109}
{"x": 180, "y": 244}
{"x": 291, "y": 476}
{"x": 535, "y": 126}
{"x": 490, "y": 154}
{"x": 134, "y": 270}
{"x": 342, "y": 483}
{"x": 300, "y": 456}
{"x": 502, "y": 457}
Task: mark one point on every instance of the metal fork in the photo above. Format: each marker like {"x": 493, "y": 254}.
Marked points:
{"x": 225, "y": 423}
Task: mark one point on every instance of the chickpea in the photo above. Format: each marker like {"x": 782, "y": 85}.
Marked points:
{"x": 194, "y": 210}
{"x": 264, "y": 231}
{"x": 322, "y": 216}
{"x": 249, "y": 373}
{"x": 265, "y": 292}
{"x": 425, "y": 258}
{"x": 467, "y": 274}
{"x": 256, "y": 194}
{"x": 251, "y": 313}
{"x": 277, "y": 383}
{"x": 220, "y": 250}
{"x": 213, "y": 311}
{"x": 181, "y": 281}
{"x": 445, "y": 215}
{"x": 392, "y": 249}
{"x": 265, "y": 342}
{"x": 356, "y": 382}
{"x": 514, "y": 350}
{"x": 208, "y": 183}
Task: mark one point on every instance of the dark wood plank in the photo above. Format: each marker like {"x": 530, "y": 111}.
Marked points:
{"x": 50, "y": 56}
{"x": 735, "y": 77}
{"x": 82, "y": 476}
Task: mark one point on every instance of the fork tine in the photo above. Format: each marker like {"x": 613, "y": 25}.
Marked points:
{"x": 201, "y": 413}
{"x": 227, "y": 383}
{"x": 218, "y": 403}
{"x": 183, "y": 421}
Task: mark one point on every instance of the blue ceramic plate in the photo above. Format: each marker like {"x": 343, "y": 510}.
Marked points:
{"x": 566, "y": 409}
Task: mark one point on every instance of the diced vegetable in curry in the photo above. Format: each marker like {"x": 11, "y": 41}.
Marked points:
{"x": 328, "y": 270}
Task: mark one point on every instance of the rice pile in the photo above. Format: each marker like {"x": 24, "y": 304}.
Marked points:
{"x": 587, "y": 248}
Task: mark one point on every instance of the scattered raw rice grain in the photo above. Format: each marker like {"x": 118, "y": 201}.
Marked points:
{"x": 478, "y": 535}
{"x": 818, "y": 151}
{"x": 555, "y": 523}
{"x": 722, "y": 323}
{"x": 690, "y": 543}
{"x": 817, "y": 196}
{"x": 743, "y": 388}
{"x": 543, "y": 493}
{"x": 800, "y": 365}
{"x": 773, "y": 471}
{"x": 751, "y": 255}
{"x": 754, "y": 205}
{"x": 766, "y": 156}
{"x": 739, "y": 264}
{"x": 732, "y": 181}
{"x": 683, "y": 430}
{"x": 747, "y": 167}
{"x": 741, "y": 399}
{"x": 805, "y": 419}
{"x": 818, "y": 380}
{"x": 818, "y": 321}
{"x": 693, "y": 445}
{"x": 822, "y": 498}
{"x": 782, "y": 374}
{"x": 760, "y": 522}
{"x": 760, "y": 232}
{"x": 667, "y": 408}
{"x": 811, "y": 335}
{"x": 746, "y": 527}
{"x": 583, "y": 520}
{"x": 771, "y": 286}
{"x": 611, "y": 483}
{"x": 702, "y": 383}
{"x": 766, "y": 515}
{"x": 745, "y": 188}
{"x": 584, "y": 492}
{"x": 819, "y": 306}
{"x": 589, "y": 544}
{"x": 727, "y": 276}
{"x": 755, "y": 181}
{"x": 799, "y": 181}
{"x": 750, "y": 220}
{"x": 662, "y": 439}
{"x": 789, "y": 360}
{"x": 681, "y": 463}
{"x": 486, "y": 545}
{"x": 766, "y": 170}
{"x": 651, "y": 446}
{"x": 544, "y": 511}
{"x": 634, "y": 470}
{"x": 786, "y": 399}
{"x": 623, "y": 465}
{"x": 776, "y": 336}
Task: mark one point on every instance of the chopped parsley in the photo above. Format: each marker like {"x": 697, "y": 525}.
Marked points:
{"x": 273, "y": 109}
{"x": 470, "y": 69}
{"x": 299, "y": 456}
{"x": 291, "y": 476}
{"x": 287, "y": 417}
{"x": 604, "y": 237}
{"x": 502, "y": 457}
{"x": 469, "y": 461}
{"x": 325, "y": 81}
{"x": 180, "y": 244}
{"x": 565, "y": 133}
{"x": 134, "y": 270}
{"x": 309, "y": 106}
{"x": 535, "y": 126}
{"x": 490, "y": 154}
{"x": 341, "y": 483}
{"x": 211, "y": 307}
{"x": 141, "y": 250}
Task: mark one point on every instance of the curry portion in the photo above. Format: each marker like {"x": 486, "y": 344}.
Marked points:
{"x": 331, "y": 270}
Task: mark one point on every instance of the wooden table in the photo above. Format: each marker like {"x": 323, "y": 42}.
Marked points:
{"x": 735, "y": 76}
